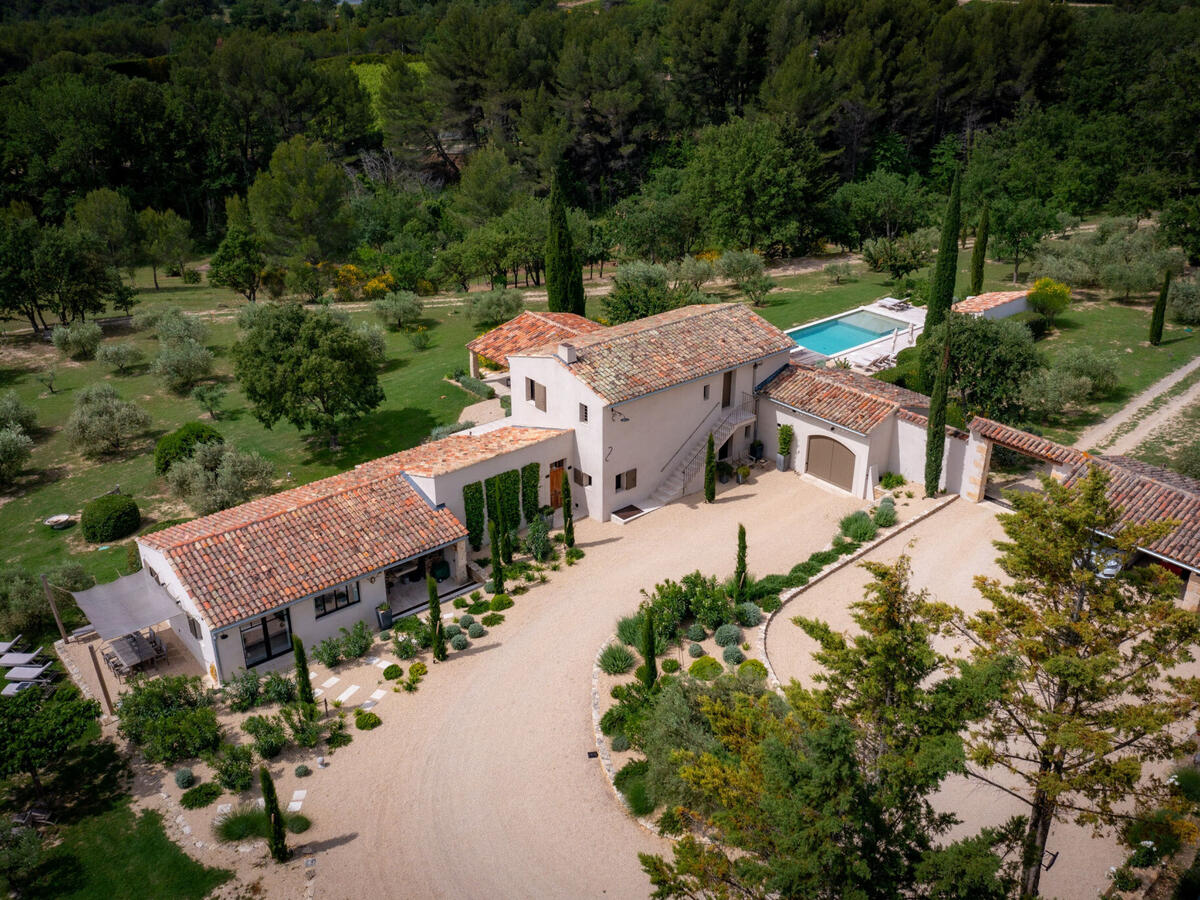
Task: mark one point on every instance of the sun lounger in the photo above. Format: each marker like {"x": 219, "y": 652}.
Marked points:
{"x": 20, "y": 659}
{"x": 83, "y": 632}
{"x": 27, "y": 673}
{"x": 15, "y": 687}
{"x": 7, "y": 646}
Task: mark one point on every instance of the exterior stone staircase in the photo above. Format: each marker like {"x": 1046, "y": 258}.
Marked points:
{"x": 676, "y": 481}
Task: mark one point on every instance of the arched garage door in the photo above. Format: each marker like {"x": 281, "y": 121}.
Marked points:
{"x": 830, "y": 461}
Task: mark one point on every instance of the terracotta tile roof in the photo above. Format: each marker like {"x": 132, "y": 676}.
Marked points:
{"x": 1148, "y": 493}
{"x": 646, "y": 355}
{"x": 983, "y": 302}
{"x": 846, "y": 398}
{"x": 528, "y": 331}
{"x": 458, "y": 451}
{"x": 1024, "y": 442}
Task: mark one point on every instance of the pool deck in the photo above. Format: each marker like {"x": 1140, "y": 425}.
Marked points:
{"x": 870, "y": 356}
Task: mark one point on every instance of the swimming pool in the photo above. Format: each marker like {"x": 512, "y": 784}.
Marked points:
{"x": 844, "y": 332}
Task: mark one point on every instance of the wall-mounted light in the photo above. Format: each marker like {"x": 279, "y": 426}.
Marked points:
{"x": 372, "y": 579}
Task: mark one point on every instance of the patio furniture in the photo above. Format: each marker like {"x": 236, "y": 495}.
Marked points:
{"x": 133, "y": 650}
{"x": 20, "y": 659}
{"x": 15, "y": 687}
{"x": 82, "y": 632}
{"x": 7, "y": 646}
{"x": 28, "y": 673}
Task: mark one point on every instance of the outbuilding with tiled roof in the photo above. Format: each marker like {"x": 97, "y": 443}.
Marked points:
{"x": 525, "y": 332}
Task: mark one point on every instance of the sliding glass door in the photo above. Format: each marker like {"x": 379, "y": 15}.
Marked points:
{"x": 267, "y": 638}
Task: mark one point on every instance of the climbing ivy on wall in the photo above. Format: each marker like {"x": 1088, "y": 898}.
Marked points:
{"x": 531, "y": 477}
{"x": 473, "y": 504}
{"x": 510, "y": 499}
{"x": 493, "y": 499}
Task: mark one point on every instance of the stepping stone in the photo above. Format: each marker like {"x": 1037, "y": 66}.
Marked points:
{"x": 378, "y": 695}
{"x": 224, "y": 808}
{"x": 373, "y": 660}
{"x": 312, "y": 673}
{"x": 331, "y": 682}
{"x": 366, "y": 704}
{"x": 294, "y": 806}
{"x": 382, "y": 663}
{"x": 348, "y": 693}
{"x": 299, "y": 795}
{"x": 187, "y": 829}
{"x": 318, "y": 692}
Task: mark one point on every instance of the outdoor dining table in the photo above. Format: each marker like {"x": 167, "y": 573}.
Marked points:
{"x": 133, "y": 649}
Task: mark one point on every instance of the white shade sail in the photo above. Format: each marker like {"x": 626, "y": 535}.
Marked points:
{"x": 129, "y": 604}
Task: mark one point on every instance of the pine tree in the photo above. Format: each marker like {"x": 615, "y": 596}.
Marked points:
{"x": 304, "y": 686}
{"x": 1160, "y": 312}
{"x": 568, "y": 514}
{"x": 935, "y": 438}
{"x": 649, "y": 651}
{"x": 497, "y": 562}
{"x": 979, "y": 253}
{"x": 435, "y": 621}
{"x": 564, "y": 275}
{"x": 277, "y": 835}
{"x": 941, "y": 296}
{"x": 710, "y": 472}
{"x": 739, "y": 570}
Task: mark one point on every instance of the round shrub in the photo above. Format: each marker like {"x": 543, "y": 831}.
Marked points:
{"x": 615, "y": 659}
{"x": 696, "y": 632}
{"x": 501, "y": 602}
{"x": 181, "y": 444}
{"x": 705, "y": 668}
{"x": 466, "y": 620}
{"x": 303, "y": 771}
{"x": 460, "y": 602}
{"x": 752, "y": 668}
{"x": 298, "y": 824}
{"x": 619, "y": 743}
{"x": 1187, "y": 782}
{"x": 184, "y": 778}
{"x": 392, "y": 672}
{"x": 200, "y": 796}
{"x": 110, "y": 518}
{"x": 733, "y": 656}
{"x": 476, "y": 631}
{"x": 695, "y": 651}
{"x": 460, "y": 642}
{"x": 747, "y": 614}
{"x": 670, "y": 666}
{"x": 405, "y": 647}
{"x": 728, "y": 635}
{"x": 365, "y": 720}
{"x": 858, "y": 527}
{"x": 451, "y": 630}
{"x": 885, "y": 515}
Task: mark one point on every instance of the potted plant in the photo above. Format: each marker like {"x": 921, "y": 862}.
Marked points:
{"x": 756, "y": 449}
{"x": 384, "y": 613}
{"x": 783, "y": 460}
{"x": 724, "y": 471}
{"x": 743, "y": 474}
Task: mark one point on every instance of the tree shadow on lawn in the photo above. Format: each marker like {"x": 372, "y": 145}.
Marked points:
{"x": 374, "y": 435}
{"x": 394, "y": 363}
{"x": 88, "y": 782}
{"x": 13, "y": 375}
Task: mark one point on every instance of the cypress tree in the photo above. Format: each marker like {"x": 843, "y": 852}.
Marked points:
{"x": 1160, "y": 312}
{"x": 941, "y": 296}
{"x": 303, "y": 680}
{"x": 710, "y": 472}
{"x": 739, "y": 570}
{"x": 435, "y": 621}
{"x": 497, "y": 562}
{"x": 979, "y": 253}
{"x": 935, "y": 440}
{"x": 277, "y": 835}
{"x": 568, "y": 514}
{"x": 650, "y": 669}
{"x": 564, "y": 275}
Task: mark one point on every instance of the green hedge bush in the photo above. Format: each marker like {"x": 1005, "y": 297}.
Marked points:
{"x": 616, "y": 659}
{"x": 476, "y": 631}
{"x": 303, "y": 771}
{"x": 705, "y": 668}
{"x": 501, "y": 602}
{"x": 184, "y": 778}
{"x": 181, "y": 444}
{"x": 110, "y": 518}
{"x": 670, "y": 666}
{"x": 752, "y": 668}
{"x": 200, "y": 796}
{"x": 365, "y": 719}
{"x": 748, "y": 614}
{"x": 696, "y": 632}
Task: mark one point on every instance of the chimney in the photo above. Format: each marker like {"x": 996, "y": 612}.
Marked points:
{"x": 567, "y": 353}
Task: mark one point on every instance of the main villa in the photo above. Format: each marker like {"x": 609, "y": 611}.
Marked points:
{"x": 624, "y": 413}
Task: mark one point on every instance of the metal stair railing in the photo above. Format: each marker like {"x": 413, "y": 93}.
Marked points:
{"x": 736, "y": 414}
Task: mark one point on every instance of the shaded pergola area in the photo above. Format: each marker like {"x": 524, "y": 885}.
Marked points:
{"x": 1046, "y": 457}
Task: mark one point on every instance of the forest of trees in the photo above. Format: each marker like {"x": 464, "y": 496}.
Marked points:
{"x": 426, "y": 133}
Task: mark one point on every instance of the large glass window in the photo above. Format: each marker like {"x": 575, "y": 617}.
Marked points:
{"x": 338, "y": 598}
{"x": 267, "y": 638}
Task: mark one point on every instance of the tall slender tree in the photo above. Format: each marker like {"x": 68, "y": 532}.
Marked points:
{"x": 648, "y": 648}
{"x": 568, "y": 514}
{"x": 304, "y": 688}
{"x": 277, "y": 834}
{"x": 1160, "y": 312}
{"x": 979, "y": 252}
{"x": 945, "y": 269}
{"x": 497, "y": 562}
{"x": 710, "y": 472}
{"x": 935, "y": 438}
{"x": 739, "y": 569}
{"x": 564, "y": 274}
{"x": 435, "y": 621}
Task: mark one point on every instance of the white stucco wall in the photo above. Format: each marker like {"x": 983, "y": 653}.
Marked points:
{"x": 908, "y": 456}
{"x": 1011, "y": 308}
{"x": 201, "y": 649}
{"x": 773, "y": 414}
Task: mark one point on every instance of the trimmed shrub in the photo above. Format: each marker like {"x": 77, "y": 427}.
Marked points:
{"x": 466, "y": 620}
{"x": 451, "y": 630}
{"x": 728, "y": 635}
{"x": 858, "y": 527}
{"x": 733, "y": 656}
{"x": 392, "y": 672}
{"x": 365, "y": 719}
{"x": 232, "y": 768}
{"x": 475, "y": 386}
{"x": 476, "y": 631}
{"x": 747, "y": 614}
{"x": 110, "y": 518}
{"x": 405, "y": 648}
{"x": 695, "y": 651}
{"x": 184, "y": 778}
{"x": 269, "y": 735}
{"x": 615, "y": 659}
{"x": 619, "y": 743}
{"x": 670, "y": 666}
{"x": 891, "y": 480}
{"x": 303, "y": 771}
{"x": 200, "y": 796}
{"x": 696, "y": 632}
{"x": 243, "y": 690}
{"x": 491, "y": 620}
{"x": 181, "y": 444}
{"x": 705, "y": 668}
{"x": 328, "y": 653}
{"x": 770, "y": 603}
{"x": 752, "y": 668}
{"x": 459, "y": 642}
{"x": 629, "y": 630}
{"x": 278, "y": 688}
{"x": 501, "y": 602}
{"x": 885, "y": 515}
{"x": 297, "y": 823}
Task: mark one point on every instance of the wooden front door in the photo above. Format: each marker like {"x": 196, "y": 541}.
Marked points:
{"x": 556, "y": 478}
{"x": 830, "y": 461}
{"x": 727, "y": 390}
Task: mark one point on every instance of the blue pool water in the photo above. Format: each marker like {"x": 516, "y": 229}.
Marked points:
{"x": 839, "y": 335}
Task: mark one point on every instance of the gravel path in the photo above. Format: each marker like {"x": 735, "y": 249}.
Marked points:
{"x": 1115, "y": 436}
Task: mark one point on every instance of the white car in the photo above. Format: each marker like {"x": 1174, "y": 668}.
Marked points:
{"x": 1107, "y": 563}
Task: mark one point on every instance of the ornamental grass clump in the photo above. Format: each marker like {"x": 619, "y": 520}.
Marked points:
{"x": 616, "y": 659}
{"x": 629, "y": 630}
{"x": 858, "y": 527}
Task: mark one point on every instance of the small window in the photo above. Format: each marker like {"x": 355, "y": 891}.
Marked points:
{"x": 535, "y": 393}
{"x": 338, "y": 598}
{"x": 627, "y": 481}
{"x": 746, "y": 433}
{"x": 706, "y": 392}
{"x": 583, "y": 412}
{"x": 581, "y": 478}
{"x": 193, "y": 627}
